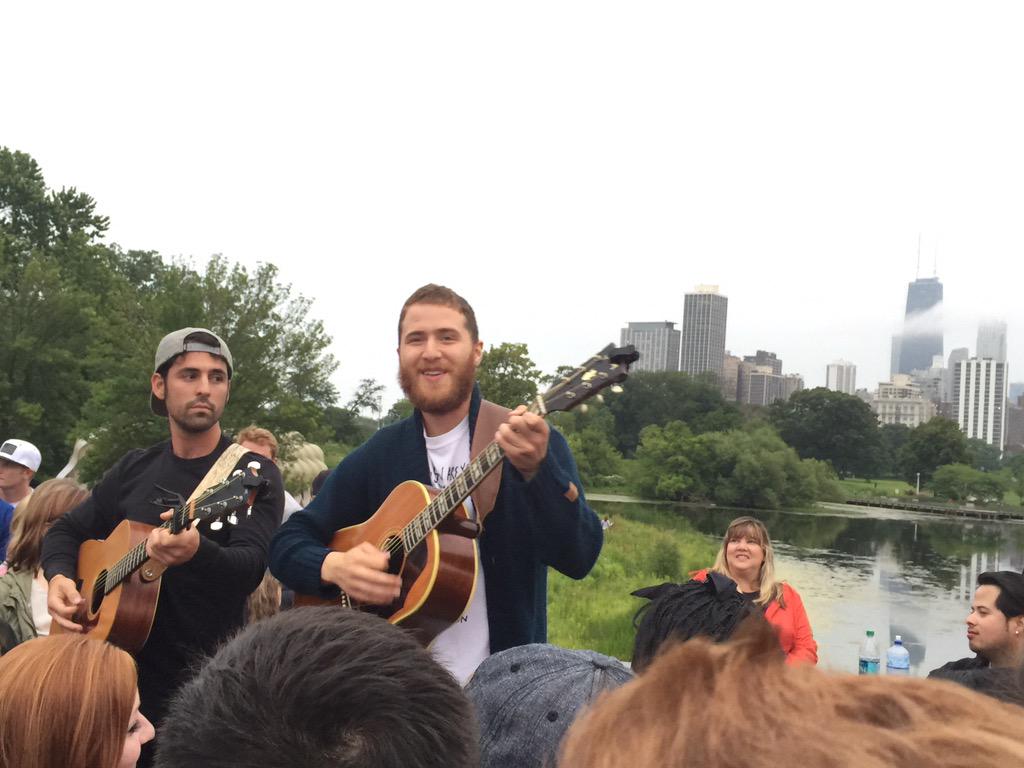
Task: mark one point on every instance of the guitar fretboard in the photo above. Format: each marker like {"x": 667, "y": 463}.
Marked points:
{"x": 137, "y": 557}
{"x": 448, "y": 500}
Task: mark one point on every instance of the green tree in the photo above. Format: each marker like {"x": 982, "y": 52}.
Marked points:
{"x": 960, "y": 482}
{"x": 983, "y": 456}
{"x": 931, "y": 445}
{"x": 507, "y": 375}
{"x": 664, "y": 467}
{"x": 402, "y": 409}
{"x": 1013, "y": 467}
{"x": 368, "y": 397}
{"x": 596, "y": 457}
{"x": 893, "y": 438}
{"x": 347, "y": 427}
{"x": 830, "y": 426}
{"x": 663, "y": 397}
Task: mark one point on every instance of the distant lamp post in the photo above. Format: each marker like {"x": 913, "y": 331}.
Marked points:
{"x": 918, "y": 484}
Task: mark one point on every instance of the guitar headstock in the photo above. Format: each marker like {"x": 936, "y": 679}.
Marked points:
{"x": 607, "y": 368}
{"x": 222, "y": 501}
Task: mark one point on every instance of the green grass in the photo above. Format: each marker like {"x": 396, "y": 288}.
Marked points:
{"x": 642, "y": 548}
{"x": 859, "y": 488}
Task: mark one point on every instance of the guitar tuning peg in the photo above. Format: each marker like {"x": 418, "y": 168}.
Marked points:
{"x": 584, "y": 408}
{"x": 617, "y": 389}
{"x": 254, "y": 466}
{"x": 233, "y": 519}
{"x": 216, "y": 525}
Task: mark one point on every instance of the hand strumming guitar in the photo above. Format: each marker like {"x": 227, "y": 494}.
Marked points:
{"x": 63, "y": 601}
{"x": 362, "y": 573}
{"x": 524, "y": 439}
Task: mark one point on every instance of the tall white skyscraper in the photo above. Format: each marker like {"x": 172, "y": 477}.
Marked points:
{"x": 704, "y": 319}
{"x": 841, "y": 376}
{"x": 657, "y": 343}
{"x": 992, "y": 341}
{"x": 979, "y": 399}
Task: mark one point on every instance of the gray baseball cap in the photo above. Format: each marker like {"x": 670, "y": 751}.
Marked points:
{"x": 527, "y": 697}
{"x": 187, "y": 340}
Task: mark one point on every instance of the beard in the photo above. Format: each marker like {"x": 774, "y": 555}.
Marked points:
{"x": 458, "y": 391}
{"x": 194, "y": 422}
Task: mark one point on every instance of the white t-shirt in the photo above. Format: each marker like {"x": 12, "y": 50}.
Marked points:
{"x": 464, "y": 645}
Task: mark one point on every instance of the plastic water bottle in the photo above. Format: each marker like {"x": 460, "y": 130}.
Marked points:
{"x": 870, "y": 661}
{"x": 897, "y": 658}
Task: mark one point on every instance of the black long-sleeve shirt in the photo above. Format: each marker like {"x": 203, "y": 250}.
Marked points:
{"x": 202, "y": 601}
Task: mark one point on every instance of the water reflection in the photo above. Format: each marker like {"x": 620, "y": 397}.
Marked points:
{"x": 860, "y": 568}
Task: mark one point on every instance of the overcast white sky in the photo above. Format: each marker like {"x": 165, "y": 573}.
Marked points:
{"x": 568, "y": 167}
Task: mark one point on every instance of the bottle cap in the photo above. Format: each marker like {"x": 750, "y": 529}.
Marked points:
{"x": 871, "y": 633}
{"x": 899, "y": 639}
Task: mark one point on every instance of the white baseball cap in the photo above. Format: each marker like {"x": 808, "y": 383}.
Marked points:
{"x": 21, "y": 452}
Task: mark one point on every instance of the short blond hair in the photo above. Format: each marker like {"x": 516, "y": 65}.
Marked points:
{"x": 738, "y": 703}
{"x": 260, "y": 436}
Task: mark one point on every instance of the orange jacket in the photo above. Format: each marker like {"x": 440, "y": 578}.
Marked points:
{"x": 791, "y": 624}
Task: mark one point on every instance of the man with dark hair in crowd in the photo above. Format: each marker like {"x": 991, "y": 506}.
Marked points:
{"x": 320, "y": 688}
{"x": 539, "y": 518}
{"x": 210, "y": 569}
{"x": 995, "y": 632}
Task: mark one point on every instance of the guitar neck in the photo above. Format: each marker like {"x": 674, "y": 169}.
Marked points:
{"x": 136, "y": 557}
{"x": 448, "y": 500}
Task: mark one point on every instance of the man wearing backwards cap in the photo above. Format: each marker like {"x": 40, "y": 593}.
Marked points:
{"x": 19, "y": 462}
{"x": 995, "y": 632}
{"x": 210, "y": 572}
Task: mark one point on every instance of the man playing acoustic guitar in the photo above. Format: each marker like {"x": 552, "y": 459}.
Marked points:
{"x": 211, "y": 568}
{"x": 539, "y": 516}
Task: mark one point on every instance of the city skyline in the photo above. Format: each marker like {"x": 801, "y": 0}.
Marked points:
{"x": 367, "y": 150}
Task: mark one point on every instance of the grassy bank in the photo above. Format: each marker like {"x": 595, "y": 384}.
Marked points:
{"x": 642, "y": 548}
{"x": 868, "y": 488}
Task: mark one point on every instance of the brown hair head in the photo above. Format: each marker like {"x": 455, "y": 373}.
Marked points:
{"x": 65, "y": 700}
{"x": 260, "y": 436}
{"x": 47, "y": 503}
{"x": 444, "y": 297}
{"x": 739, "y": 704}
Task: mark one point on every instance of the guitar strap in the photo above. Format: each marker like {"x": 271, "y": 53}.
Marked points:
{"x": 488, "y": 419}
{"x": 218, "y": 473}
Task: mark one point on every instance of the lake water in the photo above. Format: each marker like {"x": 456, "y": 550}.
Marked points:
{"x": 860, "y": 568}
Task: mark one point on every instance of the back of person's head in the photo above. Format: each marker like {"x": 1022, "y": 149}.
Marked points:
{"x": 443, "y": 296}
{"x": 527, "y": 697}
{"x": 318, "y": 688}
{"x": 678, "y": 612}
{"x": 65, "y": 700}
{"x": 49, "y": 501}
{"x": 261, "y": 437}
{"x": 739, "y": 704}
{"x": 1010, "y": 600}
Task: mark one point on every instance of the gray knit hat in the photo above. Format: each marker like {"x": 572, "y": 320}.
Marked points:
{"x": 527, "y": 697}
{"x": 178, "y": 343}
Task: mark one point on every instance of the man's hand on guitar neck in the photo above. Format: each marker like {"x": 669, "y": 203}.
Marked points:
{"x": 524, "y": 439}
{"x": 362, "y": 573}
{"x": 63, "y": 601}
{"x": 172, "y": 548}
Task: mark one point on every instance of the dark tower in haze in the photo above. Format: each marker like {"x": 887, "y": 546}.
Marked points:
{"x": 921, "y": 339}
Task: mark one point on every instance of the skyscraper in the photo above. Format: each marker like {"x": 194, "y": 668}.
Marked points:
{"x": 979, "y": 397}
{"x": 992, "y": 341}
{"x": 703, "y": 343}
{"x": 657, "y": 343}
{"x": 841, "y": 376}
{"x": 921, "y": 339}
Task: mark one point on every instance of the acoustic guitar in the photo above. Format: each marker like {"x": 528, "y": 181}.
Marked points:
{"x": 428, "y": 533}
{"x": 118, "y": 582}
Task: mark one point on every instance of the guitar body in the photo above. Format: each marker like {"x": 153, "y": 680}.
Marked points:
{"x": 123, "y": 617}
{"x": 438, "y": 576}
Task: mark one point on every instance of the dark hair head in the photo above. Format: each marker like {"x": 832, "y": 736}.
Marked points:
{"x": 1011, "y": 591}
{"x": 318, "y": 481}
{"x": 319, "y": 687}
{"x": 678, "y": 612}
{"x": 445, "y": 297}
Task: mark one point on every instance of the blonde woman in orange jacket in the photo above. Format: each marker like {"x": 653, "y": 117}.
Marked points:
{"x": 747, "y": 558}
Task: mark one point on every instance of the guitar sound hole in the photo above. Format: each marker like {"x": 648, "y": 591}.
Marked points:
{"x": 393, "y": 544}
{"x": 97, "y": 593}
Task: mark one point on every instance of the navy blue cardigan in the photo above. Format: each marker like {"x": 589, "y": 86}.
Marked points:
{"x": 533, "y": 525}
